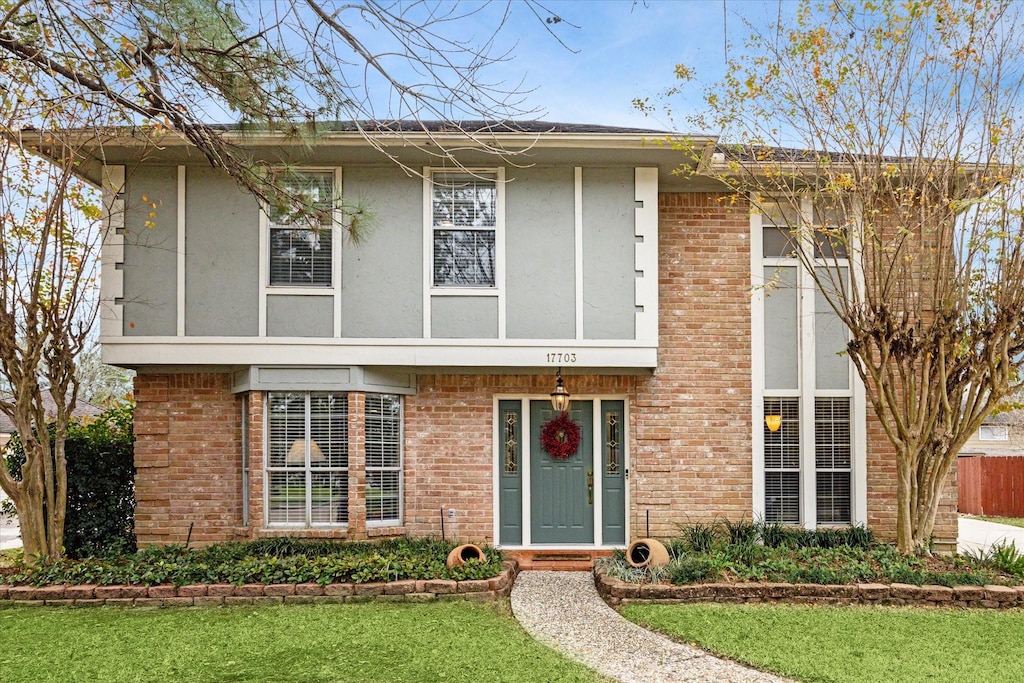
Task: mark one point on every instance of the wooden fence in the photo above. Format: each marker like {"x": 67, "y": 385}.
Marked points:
{"x": 991, "y": 485}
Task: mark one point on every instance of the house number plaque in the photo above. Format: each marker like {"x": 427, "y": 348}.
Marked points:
{"x": 561, "y": 357}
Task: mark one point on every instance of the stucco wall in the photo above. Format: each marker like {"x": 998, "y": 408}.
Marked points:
{"x": 382, "y": 273}
{"x": 150, "y": 251}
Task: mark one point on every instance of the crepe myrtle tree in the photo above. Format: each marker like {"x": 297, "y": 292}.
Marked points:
{"x": 74, "y": 73}
{"x": 49, "y": 237}
{"x": 891, "y": 135}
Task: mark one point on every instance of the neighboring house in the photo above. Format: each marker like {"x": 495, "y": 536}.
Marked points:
{"x": 990, "y": 467}
{"x": 292, "y": 382}
{"x": 1001, "y": 434}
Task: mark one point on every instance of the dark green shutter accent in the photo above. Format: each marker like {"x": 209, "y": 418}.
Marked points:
{"x": 613, "y": 471}
{"x": 510, "y": 472}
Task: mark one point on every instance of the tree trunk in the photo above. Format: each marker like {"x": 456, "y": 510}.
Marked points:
{"x": 905, "y": 541}
{"x": 41, "y": 522}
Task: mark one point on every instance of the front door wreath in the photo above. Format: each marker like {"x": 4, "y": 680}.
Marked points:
{"x": 560, "y": 437}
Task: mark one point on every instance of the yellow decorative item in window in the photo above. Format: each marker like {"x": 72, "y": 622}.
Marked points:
{"x": 773, "y": 422}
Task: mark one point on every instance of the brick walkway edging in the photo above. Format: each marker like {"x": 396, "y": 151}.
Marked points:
{"x": 618, "y": 592}
{"x": 212, "y": 595}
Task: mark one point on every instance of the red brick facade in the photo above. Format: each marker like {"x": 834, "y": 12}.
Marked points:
{"x": 188, "y": 458}
{"x": 690, "y": 426}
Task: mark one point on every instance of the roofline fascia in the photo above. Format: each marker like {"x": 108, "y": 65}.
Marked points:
{"x": 721, "y": 169}
{"x": 459, "y": 140}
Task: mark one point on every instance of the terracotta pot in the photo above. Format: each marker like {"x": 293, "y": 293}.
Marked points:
{"x": 458, "y": 556}
{"x": 647, "y": 552}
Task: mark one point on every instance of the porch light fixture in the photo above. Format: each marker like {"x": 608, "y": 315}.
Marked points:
{"x": 773, "y": 422}
{"x": 297, "y": 453}
{"x": 560, "y": 397}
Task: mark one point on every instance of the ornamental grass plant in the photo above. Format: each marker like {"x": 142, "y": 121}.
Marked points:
{"x": 728, "y": 551}
{"x": 269, "y": 560}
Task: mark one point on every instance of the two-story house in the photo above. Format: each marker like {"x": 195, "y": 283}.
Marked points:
{"x": 291, "y": 381}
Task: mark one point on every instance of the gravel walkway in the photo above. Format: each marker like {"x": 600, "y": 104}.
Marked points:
{"x": 563, "y": 610}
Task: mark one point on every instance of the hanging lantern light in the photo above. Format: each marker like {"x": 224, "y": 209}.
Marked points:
{"x": 560, "y": 397}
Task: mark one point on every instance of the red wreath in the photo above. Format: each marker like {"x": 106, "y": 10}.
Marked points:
{"x": 560, "y": 437}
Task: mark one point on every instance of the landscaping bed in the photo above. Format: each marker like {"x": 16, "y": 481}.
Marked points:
{"x": 735, "y": 562}
{"x": 266, "y": 571}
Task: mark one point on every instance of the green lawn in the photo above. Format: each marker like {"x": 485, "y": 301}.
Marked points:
{"x": 851, "y": 643}
{"x": 373, "y": 642}
{"x": 1012, "y": 521}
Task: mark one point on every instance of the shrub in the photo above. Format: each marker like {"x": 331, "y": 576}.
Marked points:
{"x": 742, "y": 532}
{"x": 1002, "y": 556}
{"x": 700, "y": 537}
{"x": 266, "y": 561}
{"x": 101, "y": 483}
{"x": 758, "y": 551}
{"x": 693, "y": 569}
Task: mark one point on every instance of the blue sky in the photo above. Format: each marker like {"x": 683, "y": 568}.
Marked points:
{"x": 625, "y": 51}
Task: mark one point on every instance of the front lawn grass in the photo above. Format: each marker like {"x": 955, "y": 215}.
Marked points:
{"x": 851, "y": 644}
{"x": 372, "y": 642}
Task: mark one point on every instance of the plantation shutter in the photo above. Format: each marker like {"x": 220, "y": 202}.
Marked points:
{"x": 782, "y": 462}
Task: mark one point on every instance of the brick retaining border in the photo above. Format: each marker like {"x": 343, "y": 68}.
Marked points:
{"x": 618, "y": 592}
{"x": 209, "y": 595}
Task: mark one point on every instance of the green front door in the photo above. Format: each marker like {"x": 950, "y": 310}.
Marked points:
{"x": 562, "y": 491}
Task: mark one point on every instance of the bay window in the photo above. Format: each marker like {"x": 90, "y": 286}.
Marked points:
{"x": 307, "y": 458}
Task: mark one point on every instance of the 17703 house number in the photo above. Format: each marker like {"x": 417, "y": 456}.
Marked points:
{"x": 562, "y": 357}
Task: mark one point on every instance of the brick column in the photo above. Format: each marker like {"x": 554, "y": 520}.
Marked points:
{"x": 357, "y": 465}
{"x": 257, "y": 478}
{"x": 152, "y": 494}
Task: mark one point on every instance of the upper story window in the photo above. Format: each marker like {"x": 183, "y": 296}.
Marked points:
{"x": 301, "y": 240}
{"x": 464, "y": 210}
{"x": 781, "y": 223}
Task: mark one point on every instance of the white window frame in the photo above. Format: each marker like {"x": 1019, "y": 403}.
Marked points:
{"x": 400, "y": 469}
{"x": 807, "y": 391}
{"x": 834, "y": 470}
{"x": 994, "y": 433}
{"x": 498, "y": 175}
{"x": 334, "y": 290}
{"x": 307, "y": 470}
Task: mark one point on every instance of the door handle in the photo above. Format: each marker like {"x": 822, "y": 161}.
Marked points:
{"x": 590, "y": 486}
